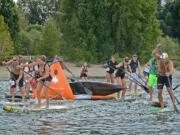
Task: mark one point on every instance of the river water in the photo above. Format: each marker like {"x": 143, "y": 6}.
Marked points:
{"x": 84, "y": 117}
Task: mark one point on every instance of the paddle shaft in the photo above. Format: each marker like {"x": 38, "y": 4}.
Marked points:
{"x": 171, "y": 95}
{"x": 45, "y": 85}
{"x": 136, "y": 81}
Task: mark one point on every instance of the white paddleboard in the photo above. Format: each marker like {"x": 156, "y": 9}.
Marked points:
{"x": 55, "y": 107}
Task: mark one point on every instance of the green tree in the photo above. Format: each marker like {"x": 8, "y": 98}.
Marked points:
{"x": 6, "y": 45}
{"x": 50, "y": 45}
{"x": 30, "y": 40}
{"x": 38, "y": 11}
{"x": 94, "y": 30}
{"x": 169, "y": 17}
{"x": 8, "y": 11}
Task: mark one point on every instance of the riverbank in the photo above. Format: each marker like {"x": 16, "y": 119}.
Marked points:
{"x": 95, "y": 71}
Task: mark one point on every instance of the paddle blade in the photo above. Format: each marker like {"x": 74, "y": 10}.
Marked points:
{"x": 145, "y": 88}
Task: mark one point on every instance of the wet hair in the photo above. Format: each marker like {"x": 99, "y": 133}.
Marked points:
{"x": 42, "y": 57}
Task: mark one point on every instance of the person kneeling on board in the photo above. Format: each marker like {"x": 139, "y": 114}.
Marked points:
{"x": 16, "y": 77}
{"x": 43, "y": 78}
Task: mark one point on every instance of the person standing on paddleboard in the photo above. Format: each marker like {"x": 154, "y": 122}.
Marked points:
{"x": 110, "y": 68}
{"x": 28, "y": 77}
{"x": 165, "y": 72}
{"x": 136, "y": 70}
{"x": 43, "y": 78}
{"x": 153, "y": 73}
{"x": 122, "y": 68}
{"x": 16, "y": 77}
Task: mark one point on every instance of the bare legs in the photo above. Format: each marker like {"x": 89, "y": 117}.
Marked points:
{"x": 135, "y": 87}
{"x": 39, "y": 88}
{"x": 13, "y": 93}
{"x": 122, "y": 83}
{"x": 110, "y": 77}
{"x": 150, "y": 93}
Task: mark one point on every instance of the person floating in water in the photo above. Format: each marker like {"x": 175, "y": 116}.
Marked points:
{"x": 84, "y": 72}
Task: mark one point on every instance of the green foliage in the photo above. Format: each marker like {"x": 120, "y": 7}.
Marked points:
{"x": 171, "y": 46}
{"x": 50, "y": 45}
{"x": 6, "y": 45}
{"x": 8, "y": 11}
{"x": 38, "y": 11}
{"x": 169, "y": 16}
{"x": 94, "y": 30}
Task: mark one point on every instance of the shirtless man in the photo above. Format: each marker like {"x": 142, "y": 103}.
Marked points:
{"x": 16, "y": 77}
{"x": 165, "y": 72}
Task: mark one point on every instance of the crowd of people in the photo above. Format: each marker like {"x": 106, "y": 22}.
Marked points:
{"x": 156, "y": 73}
{"x": 35, "y": 74}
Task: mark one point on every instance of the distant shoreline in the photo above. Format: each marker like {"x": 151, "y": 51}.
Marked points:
{"x": 95, "y": 71}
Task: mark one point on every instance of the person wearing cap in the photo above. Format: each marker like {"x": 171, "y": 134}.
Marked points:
{"x": 110, "y": 68}
{"x": 165, "y": 72}
{"x": 122, "y": 68}
{"x": 136, "y": 70}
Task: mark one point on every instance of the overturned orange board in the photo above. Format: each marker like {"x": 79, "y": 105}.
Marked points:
{"x": 59, "y": 86}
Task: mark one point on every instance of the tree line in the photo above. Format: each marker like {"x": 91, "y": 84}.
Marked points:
{"x": 86, "y": 30}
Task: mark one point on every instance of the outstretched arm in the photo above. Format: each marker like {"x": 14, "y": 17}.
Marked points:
{"x": 8, "y": 62}
{"x": 64, "y": 66}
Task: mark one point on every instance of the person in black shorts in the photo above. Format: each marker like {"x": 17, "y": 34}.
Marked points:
{"x": 110, "y": 68}
{"x": 122, "y": 68}
{"x": 16, "y": 77}
{"x": 165, "y": 71}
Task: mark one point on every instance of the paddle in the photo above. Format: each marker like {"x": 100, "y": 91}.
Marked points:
{"x": 140, "y": 77}
{"x": 46, "y": 85}
{"x": 88, "y": 91}
{"x": 174, "y": 95}
{"x": 135, "y": 80}
{"x": 176, "y": 87}
{"x": 171, "y": 96}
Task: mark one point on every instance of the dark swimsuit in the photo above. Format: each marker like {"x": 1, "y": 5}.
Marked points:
{"x": 14, "y": 77}
{"x": 134, "y": 66}
{"x": 37, "y": 75}
{"x": 84, "y": 72}
{"x": 121, "y": 71}
{"x": 111, "y": 66}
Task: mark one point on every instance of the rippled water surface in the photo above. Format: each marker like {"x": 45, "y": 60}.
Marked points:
{"x": 93, "y": 117}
